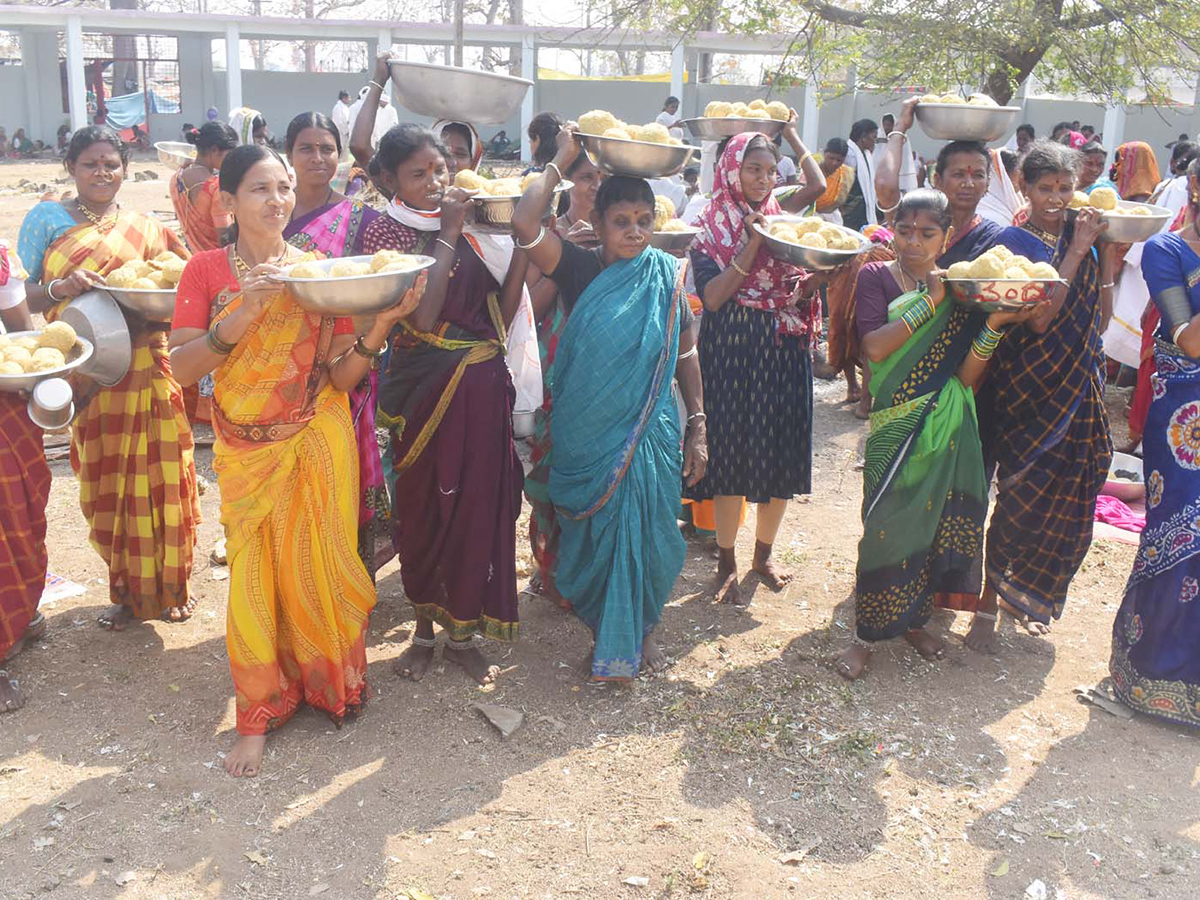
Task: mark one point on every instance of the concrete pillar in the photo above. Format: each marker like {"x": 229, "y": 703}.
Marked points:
{"x": 33, "y": 120}
{"x": 678, "y": 67}
{"x": 529, "y": 72}
{"x": 233, "y": 68}
{"x": 851, "y": 97}
{"x": 811, "y": 115}
{"x": 76, "y": 85}
{"x": 1114, "y": 130}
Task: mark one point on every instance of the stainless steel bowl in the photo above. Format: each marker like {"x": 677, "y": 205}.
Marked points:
{"x": 641, "y": 159}
{"x": 51, "y": 405}
{"x": 673, "y": 241}
{"x": 717, "y": 128}
{"x": 999, "y": 294}
{"x": 812, "y": 258}
{"x": 523, "y": 423}
{"x": 496, "y": 213}
{"x": 1132, "y": 229}
{"x": 153, "y": 306}
{"x": 175, "y": 154}
{"x": 358, "y": 296}
{"x": 97, "y": 317}
{"x": 461, "y": 95}
{"x": 27, "y": 382}
{"x": 966, "y": 121}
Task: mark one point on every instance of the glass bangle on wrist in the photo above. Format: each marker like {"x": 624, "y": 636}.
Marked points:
{"x": 557, "y": 171}
{"x": 361, "y": 348}
{"x": 215, "y": 344}
{"x": 986, "y": 342}
{"x": 50, "y": 290}
{"x": 918, "y": 314}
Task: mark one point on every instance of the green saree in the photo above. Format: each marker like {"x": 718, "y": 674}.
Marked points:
{"x": 924, "y": 490}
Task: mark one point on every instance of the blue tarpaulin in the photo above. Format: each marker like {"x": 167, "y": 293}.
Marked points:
{"x": 130, "y": 110}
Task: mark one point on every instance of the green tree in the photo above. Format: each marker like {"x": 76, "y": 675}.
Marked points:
{"x": 1099, "y": 48}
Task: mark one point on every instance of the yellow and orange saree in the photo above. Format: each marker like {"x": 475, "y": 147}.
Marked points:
{"x": 299, "y": 594}
{"x": 131, "y": 445}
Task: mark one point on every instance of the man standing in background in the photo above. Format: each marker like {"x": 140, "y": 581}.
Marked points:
{"x": 341, "y": 119}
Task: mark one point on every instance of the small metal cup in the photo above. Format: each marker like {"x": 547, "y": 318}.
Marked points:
{"x": 51, "y": 405}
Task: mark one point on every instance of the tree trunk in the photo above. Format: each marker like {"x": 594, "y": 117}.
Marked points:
{"x": 125, "y": 78}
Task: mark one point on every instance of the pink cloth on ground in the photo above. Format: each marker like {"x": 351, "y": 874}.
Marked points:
{"x": 1115, "y": 512}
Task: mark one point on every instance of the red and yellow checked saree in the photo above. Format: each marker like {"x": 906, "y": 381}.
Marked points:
{"x": 286, "y": 463}
{"x": 131, "y": 445}
{"x": 24, "y": 492}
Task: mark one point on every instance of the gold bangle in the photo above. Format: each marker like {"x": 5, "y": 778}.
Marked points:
{"x": 807, "y": 155}
{"x": 739, "y": 269}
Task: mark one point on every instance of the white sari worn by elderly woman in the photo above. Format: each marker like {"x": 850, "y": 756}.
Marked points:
{"x": 1002, "y": 201}
{"x": 1123, "y": 337}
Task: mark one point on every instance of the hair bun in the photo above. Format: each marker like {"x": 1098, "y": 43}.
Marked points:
{"x": 192, "y": 135}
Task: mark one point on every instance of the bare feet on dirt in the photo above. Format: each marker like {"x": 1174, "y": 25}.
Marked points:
{"x": 1037, "y": 629}
{"x": 851, "y": 663}
{"x": 653, "y": 657}
{"x": 179, "y": 614}
{"x": 414, "y": 662}
{"x": 34, "y": 631}
{"x": 245, "y": 758}
{"x": 473, "y": 662}
{"x": 11, "y": 696}
{"x": 926, "y": 644}
{"x": 728, "y": 590}
{"x": 775, "y": 577}
{"x": 982, "y": 636}
{"x": 115, "y": 618}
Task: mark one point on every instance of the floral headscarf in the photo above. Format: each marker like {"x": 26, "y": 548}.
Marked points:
{"x": 722, "y": 236}
{"x": 1135, "y": 170}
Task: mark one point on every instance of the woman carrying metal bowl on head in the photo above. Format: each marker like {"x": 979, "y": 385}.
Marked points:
{"x": 617, "y": 469}
{"x": 761, "y": 316}
{"x": 1042, "y": 412}
{"x": 448, "y": 398}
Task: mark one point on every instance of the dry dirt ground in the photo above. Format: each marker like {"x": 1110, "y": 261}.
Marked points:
{"x": 748, "y": 770}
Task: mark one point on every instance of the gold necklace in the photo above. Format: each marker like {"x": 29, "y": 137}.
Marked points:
{"x": 244, "y": 267}
{"x": 91, "y": 216}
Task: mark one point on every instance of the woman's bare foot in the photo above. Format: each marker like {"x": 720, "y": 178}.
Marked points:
{"x": 775, "y": 577}
{"x": 982, "y": 636}
{"x": 414, "y": 662}
{"x": 34, "y": 631}
{"x": 115, "y": 618}
{"x": 728, "y": 590}
{"x": 926, "y": 644}
{"x": 180, "y": 613}
{"x": 12, "y": 697}
{"x": 473, "y": 662}
{"x": 852, "y": 662}
{"x": 653, "y": 657}
{"x": 1037, "y": 629}
{"x": 245, "y": 757}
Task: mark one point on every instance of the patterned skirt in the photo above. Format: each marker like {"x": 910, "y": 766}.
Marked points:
{"x": 759, "y": 399}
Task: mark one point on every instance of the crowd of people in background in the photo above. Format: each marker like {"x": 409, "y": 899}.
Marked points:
{"x": 672, "y": 386}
